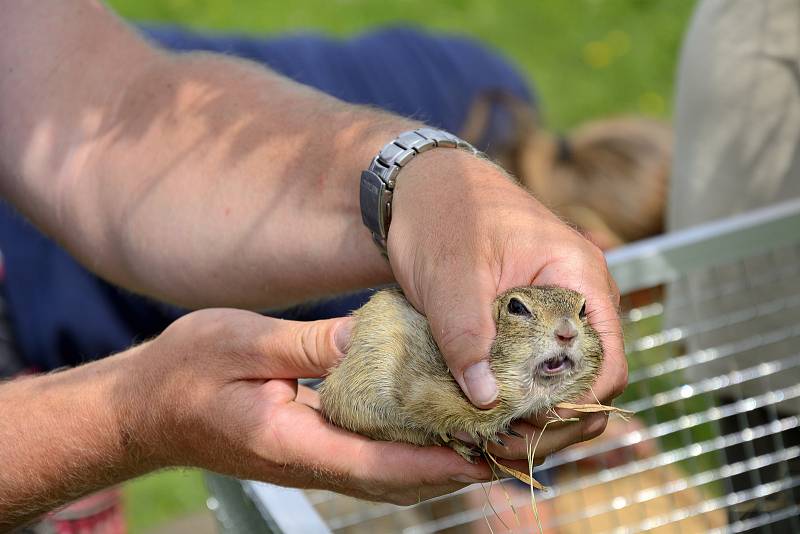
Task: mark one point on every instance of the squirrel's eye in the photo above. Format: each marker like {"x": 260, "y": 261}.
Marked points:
{"x": 582, "y": 313}
{"x": 516, "y": 307}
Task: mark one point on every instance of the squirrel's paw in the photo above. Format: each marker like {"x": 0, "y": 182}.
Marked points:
{"x": 466, "y": 451}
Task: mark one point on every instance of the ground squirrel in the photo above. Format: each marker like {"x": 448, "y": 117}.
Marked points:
{"x": 394, "y": 384}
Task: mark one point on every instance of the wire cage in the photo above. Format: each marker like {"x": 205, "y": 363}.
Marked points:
{"x": 712, "y": 325}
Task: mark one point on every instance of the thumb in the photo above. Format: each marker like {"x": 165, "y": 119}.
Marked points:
{"x": 296, "y": 349}
{"x": 463, "y": 328}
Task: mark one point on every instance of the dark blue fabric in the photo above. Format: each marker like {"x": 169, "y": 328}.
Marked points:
{"x": 63, "y": 315}
{"x": 433, "y": 78}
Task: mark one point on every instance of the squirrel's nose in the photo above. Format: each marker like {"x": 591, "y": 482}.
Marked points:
{"x": 566, "y": 331}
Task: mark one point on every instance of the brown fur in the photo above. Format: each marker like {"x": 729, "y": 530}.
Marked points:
{"x": 394, "y": 384}
{"x": 608, "y": 177}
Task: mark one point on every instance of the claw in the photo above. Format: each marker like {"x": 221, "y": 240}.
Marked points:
{"x": 468, "y": 452}
{"x": 497, "y": 441}
{"x": 512, "y": 432}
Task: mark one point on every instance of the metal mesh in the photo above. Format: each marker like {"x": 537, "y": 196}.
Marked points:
{"x": 712, "y": 324}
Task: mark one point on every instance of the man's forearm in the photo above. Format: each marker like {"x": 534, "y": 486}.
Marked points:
{"x": 259, "y": 174}
{"x": 260, "y": 178}
{"x": 60, "y": 438}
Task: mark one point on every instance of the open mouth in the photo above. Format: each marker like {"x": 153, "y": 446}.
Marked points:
{"x": 556, "y": 365}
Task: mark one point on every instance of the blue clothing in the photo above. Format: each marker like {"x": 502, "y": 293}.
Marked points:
{"x": 432, "y": 78}
{"x": 62, "y": 314}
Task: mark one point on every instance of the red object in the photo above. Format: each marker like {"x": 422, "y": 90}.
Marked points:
{"x": 100, "y": 513}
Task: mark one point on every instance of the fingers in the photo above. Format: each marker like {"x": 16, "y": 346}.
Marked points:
{"x": 462, "y": 325}
{"x": 584, "y": 270}
{"x": 554, "y": 438}
{"x": 292, "y": 349}
{"x": 308, "y": 396}
{"x": 588, "y": 274}
{"x": 312, "y": 452}
{"x": 603, "y": 315}
{"x": 253, "y": 347}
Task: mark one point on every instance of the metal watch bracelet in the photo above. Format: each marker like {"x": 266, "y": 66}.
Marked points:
{"x": 378, "y": 182}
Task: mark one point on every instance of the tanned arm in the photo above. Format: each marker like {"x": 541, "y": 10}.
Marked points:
{"x": 101, "y": 134}
{"x": 206, "y": 180}
{"x": 178, "y": 401}
{"x": 60, "y": 439}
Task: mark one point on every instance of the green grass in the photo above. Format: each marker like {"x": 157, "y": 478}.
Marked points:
{"x": 156, "y": 498}
{"x": 588, "y": 58}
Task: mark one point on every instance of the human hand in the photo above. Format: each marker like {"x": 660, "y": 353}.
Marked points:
{"x": 221, "y": 393}
{"x": 462, "y": 232}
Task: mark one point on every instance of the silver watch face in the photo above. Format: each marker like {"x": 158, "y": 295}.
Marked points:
{"x": 374, "y": 198}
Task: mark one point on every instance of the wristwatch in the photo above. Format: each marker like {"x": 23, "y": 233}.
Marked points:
{"x": 378, "y": 182}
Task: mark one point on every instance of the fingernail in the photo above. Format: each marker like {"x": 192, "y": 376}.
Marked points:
{"x": 464, "y": 479}
{"x": 595, "y": 423}
{"x": 481, "y": 387}
{"x": 342, "y": 335}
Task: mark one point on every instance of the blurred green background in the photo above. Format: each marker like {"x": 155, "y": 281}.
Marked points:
{"x": 588, "y": 58}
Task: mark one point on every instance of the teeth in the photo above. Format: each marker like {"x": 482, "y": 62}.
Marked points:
{"x": 556, "y": 364}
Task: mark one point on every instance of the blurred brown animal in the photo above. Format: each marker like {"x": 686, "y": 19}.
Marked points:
{"x": 608, "y": 177}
